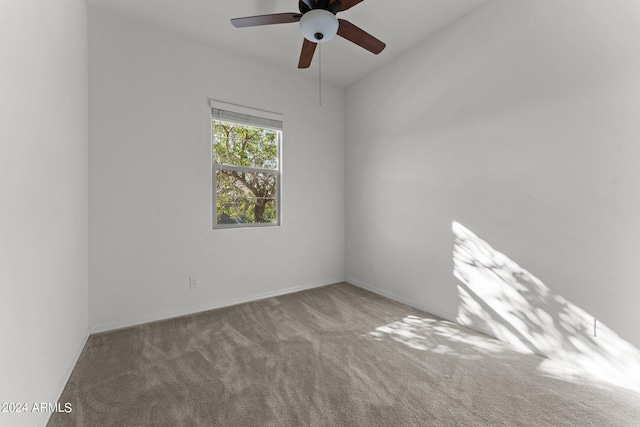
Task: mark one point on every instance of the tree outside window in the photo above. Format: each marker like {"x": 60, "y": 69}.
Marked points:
{"x": 246, "y": 174}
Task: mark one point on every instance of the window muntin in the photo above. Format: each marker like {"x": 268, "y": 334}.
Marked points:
{"x": 246, "y": 170}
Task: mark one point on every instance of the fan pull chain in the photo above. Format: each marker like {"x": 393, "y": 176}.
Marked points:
{"x": 320, "y": 73}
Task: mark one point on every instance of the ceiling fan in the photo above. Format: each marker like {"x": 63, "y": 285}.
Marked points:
{"x": 319, "y": 24}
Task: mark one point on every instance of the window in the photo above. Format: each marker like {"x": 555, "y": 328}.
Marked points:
{"x": 246, "y": 166}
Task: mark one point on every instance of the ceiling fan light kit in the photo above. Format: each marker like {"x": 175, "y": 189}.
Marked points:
{"x": 318, "y": 24}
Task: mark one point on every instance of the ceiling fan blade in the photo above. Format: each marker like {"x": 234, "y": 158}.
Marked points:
{"x": 276, "y": 18}
{"x": 360, "y": 37}
{"x": 346, "y": 4}
{"x": 306, "y": 55}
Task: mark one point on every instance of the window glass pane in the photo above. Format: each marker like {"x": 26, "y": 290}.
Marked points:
{"x": 244, "y": 145}
{"x": 245, "y": 197}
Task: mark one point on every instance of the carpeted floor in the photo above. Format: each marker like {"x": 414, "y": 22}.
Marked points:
{"x": 331, "y": 356}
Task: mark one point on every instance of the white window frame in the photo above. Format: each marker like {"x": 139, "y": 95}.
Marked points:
{"x": 266, "y": 120}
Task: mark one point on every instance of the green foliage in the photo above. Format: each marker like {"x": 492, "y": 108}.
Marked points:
{"x": 242, "y": 145}
{"x": 245, "y": 196}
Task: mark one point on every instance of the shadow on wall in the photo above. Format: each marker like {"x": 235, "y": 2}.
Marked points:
{"x": 500, "y": 298}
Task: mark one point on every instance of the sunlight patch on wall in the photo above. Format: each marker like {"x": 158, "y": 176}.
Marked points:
{"x": 500, "y": 298}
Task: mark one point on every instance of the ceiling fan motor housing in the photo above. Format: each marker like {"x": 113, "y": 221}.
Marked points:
{"x": 319, "y": 26}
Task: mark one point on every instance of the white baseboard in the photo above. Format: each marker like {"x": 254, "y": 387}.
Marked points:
{"x": 44, "y": 417}
{"x": 411, "y": 303}
{"x": 106, "y": 327}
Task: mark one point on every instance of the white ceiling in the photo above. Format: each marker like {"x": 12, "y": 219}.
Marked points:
{"x": 400, "y": 24}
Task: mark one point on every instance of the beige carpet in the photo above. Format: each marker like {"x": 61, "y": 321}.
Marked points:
{"x": 331, "y": 356}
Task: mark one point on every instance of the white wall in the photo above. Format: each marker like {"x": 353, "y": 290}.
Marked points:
{"x": 521, "y": 123}
{"x": 150, "y": 178}
{"x": 43, "y": 192}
